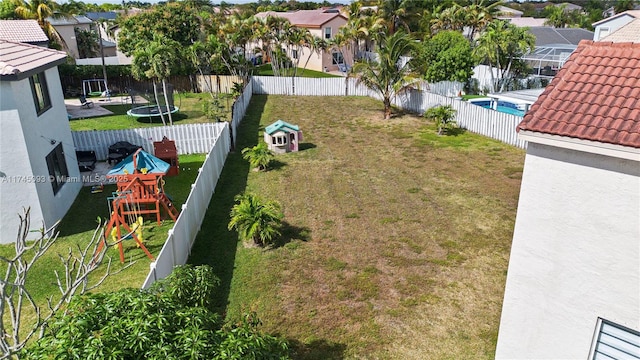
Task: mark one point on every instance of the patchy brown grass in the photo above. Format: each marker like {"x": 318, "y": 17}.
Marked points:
{"x": 396, "y": 240}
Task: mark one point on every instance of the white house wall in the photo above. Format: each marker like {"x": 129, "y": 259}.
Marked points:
{"x": 14, "y": 163}
{"x": 575, "y": 254}
{"x": 38, "y": 133}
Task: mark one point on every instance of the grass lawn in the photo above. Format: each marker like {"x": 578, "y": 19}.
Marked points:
{"x": 78, "y": 225}
{"x": 395, "y": 241}
{"x": 266, "y": 70}
{"x": 191, "y": 112}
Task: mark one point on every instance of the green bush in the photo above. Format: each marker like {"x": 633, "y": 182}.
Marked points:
{"x": 171, "y": 320}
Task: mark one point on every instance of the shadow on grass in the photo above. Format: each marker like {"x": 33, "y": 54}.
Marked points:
{"x": 290, "y": 233}
{"x": 455, "y": 131}
{"x": 276, "y": 165}
{"x": 316, "y": 350}
{"x": 306, "y": 146}
{"x": 215, "y": 245}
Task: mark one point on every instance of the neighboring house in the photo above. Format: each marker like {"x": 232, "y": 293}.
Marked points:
{"x": 573, "y": 283}
{"x": 23, "y": 31}
{"x": 507, "y": 12}
{"x": 325, "y": 24}
{"x": 627, "y": 33}
{"x": 282, "y": 137}
{"x": 37, "y": 155}
{"x": 607, "y": 26}
{"x": 525, "y": 21}
{"x": 65, "y": 26}
{"x": 547, "y": 35}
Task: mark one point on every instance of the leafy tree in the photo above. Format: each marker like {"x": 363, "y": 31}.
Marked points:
{"x": 387, "y": 76}
{"x": 624, "y": 5}
{"x": 443, "y": 116}
{"x": 255, "y": 219}
{"x": 258, "y": 156}
{"x": 88, "y": 43}
{"x": 445, "y": 57}
{"x": 214, "y": 109}
{"x": 170, "y": 320}
{"x": 172, "y": 21}
{"x": 7, "y": 10}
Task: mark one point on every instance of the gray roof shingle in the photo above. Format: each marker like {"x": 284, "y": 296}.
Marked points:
{"x": 22, "y": 31}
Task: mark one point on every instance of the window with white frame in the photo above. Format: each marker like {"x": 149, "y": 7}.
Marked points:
{"x": 327, "y": 32}
{"x": 294, "y": 54}
{"x": 615, "y": 342}
{"x": 40, "y": 92}
{"x": 604, "y": 31}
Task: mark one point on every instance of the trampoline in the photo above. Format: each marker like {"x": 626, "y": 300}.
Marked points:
{"x": 151, "y": 111}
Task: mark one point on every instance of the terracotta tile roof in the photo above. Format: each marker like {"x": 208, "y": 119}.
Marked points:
{"x": 627, "y": 33}
{"x": 595, "y": 96}
{"x": 17, "y": 58}
{"x": 304, "y": 18}
{"x": 23, "y": 31}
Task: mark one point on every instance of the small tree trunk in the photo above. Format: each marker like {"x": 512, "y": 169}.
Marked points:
{"x": 155, "y": 94}
{"x": 166, "y": 100}
{"x": 387, "y": 108}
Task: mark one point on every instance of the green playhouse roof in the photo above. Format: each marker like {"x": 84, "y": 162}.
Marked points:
{"x": 280, "y": 125}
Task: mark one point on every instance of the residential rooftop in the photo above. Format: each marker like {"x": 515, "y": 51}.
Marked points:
{"x": 546, "y": 35}
{"x": 595, "y": 96}
{"x": 305, "y": 18}
{"x": 18, "y": 61}
{"x": 22, "y": 31}
{"x": 627, "y": 33}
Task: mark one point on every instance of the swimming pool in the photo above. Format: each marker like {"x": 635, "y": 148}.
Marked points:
{"x": 503, "y": 106}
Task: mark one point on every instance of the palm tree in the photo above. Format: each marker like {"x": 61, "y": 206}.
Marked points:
{"x": 155, "y": 61}
{"x": 443, "y": 116}
{"x": 557, "y": 16}
{"x": 259, "y": 156}
{"x": 40, "y": 10}
{"x": 255, "y": 219}
{"x": 385, "y": 75}
{"x": 396, "y": 13}
{"x": 500, "y": 45}
{"x": 478, "y": 15}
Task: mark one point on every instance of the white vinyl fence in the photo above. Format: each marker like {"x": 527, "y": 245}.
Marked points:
{"x": 180, "y": 239}
{"x": 189, "y": 138}
{"x": 487, "y": 122}
{"x": 239, "y": 109}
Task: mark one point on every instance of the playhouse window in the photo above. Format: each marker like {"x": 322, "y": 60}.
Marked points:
{"x": 57, "y": 168}
{"x": 280, "y": 140}
{"x": 40, "y": 92}
{"x": 294, "y": 54}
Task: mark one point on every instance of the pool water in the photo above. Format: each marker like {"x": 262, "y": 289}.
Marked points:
{"x": 503, "y": 106}
{"x": 508, "y": 110}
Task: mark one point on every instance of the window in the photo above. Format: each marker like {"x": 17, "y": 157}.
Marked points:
{"x": 57, "y": 168}
{"x": 613, "y": 341}
{"x": 337, "y": 58}
{"x": 604, "y": 31}
{"x": 327, "y": 32}
{"x": 280, "y": 140}
{"x": 40, "y": 92}
{"x": 294, "y": 54}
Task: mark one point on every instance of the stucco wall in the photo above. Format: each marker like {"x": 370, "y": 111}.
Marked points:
{"x": 31, "y": 148}
{"x": 575, "y": 254}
